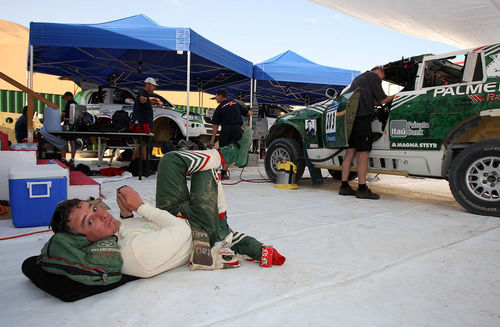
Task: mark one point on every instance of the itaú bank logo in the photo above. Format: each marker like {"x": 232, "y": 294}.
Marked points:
{"x": 398, "y": 128}
{"x": 404, "y": 128}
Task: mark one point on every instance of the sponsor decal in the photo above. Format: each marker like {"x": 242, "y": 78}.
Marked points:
{"x": 414, "y": 145}
{"x": 469, "y": 89}
{"x": 404, "y": 128}
{"x": 331, "y": 123}
{"x": 313, "y": 146}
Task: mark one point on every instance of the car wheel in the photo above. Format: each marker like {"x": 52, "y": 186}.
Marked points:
{"x": 474, "y": 178}
{"x": 337, "y": 175}
{"x": 284, "y": 149}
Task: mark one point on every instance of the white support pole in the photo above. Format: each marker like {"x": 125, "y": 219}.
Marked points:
{"x": 188, "y": 78}
{"x": 251, "y": 101}
{"x": 31, "y": 67}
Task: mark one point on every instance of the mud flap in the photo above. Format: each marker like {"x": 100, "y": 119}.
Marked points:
{"x": 316, "y": 176}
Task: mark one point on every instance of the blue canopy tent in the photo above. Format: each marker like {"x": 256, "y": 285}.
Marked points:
{"x": 125, "y": 51}
{"x": 291, "y": 79}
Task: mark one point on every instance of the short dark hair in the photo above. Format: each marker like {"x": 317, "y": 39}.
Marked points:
{"x": 68, "y": 93}
{"x": 60, "y": 217}
{"x": 378, "y": 68}
{"x": 222, "y": 92}
{"x": 25, "y": 110}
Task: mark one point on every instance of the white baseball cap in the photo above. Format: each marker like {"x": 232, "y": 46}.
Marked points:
{"x": 151, "y": 80}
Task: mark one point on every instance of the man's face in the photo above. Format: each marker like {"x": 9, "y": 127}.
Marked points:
{"x": 150, "y": 87}
{"x": 381, "y": 74}
{"x": 309, "y": 125}
{"x": 67, "y": 98}
{"x": 93, "y": 222}
{"x": 218, "y": 98}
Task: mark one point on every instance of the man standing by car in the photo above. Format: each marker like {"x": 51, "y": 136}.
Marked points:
{"x": 68, "y": 97}
{"x": 360, "y": 140}
{"x": 143, "y": 111}
{"x": 228, "y": 114}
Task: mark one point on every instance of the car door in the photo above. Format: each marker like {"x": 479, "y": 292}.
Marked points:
{"x": 339, "y": 118}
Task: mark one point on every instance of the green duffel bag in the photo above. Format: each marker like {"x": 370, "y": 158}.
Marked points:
{"x": 73, "y": 256}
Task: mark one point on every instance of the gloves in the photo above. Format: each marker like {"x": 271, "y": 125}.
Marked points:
{"x": 278, "y": 259}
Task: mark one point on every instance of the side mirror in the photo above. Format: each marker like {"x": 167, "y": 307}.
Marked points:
{"x": 331, "y": 93}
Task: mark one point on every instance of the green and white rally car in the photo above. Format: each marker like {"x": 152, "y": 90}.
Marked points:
{"x": 444, "y": 123}
{"x": 169, "y": 123}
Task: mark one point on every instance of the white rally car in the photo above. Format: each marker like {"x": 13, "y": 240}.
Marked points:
{"x": 169, "y": 123}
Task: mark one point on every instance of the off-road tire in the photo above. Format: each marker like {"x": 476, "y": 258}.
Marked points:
{"x": 284, "y": 149}
{"x": 474, "y": 178}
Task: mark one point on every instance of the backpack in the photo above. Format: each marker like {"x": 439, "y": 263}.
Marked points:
{"x": 121, "y": 120}
{"x": 73, "y": 256}
{"x": 84, "y": 122}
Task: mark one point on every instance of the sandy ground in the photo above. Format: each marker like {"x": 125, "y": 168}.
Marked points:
{"x": 412, "y": 258}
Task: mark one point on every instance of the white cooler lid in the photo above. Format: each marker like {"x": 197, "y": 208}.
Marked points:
{"x": 38, "y": 171}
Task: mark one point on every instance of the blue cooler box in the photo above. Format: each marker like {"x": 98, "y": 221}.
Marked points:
{"x": 34, "y": 193}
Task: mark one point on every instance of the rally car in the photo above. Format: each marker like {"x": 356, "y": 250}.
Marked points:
{"x": 169, "y": 123}
{"x": 444, "y": 123}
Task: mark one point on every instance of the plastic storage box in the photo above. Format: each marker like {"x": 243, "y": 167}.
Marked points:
{"x": 34, "y": 193}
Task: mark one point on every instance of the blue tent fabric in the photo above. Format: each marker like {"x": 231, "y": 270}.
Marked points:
{"x": 289, "y": 78}
{"x": 127, "y": 50}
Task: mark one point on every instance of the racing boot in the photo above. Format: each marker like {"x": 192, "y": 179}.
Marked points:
{"x": 201, "y": 256}
{"x": 237, "y": 153}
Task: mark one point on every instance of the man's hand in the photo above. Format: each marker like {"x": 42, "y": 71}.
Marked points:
{"x": 124, "y": 212}
{"x": 128, "y": 198}
{"x": 211, "y": 144}
{"x": 143, "y": 99}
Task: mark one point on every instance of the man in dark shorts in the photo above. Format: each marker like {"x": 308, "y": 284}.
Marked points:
{"x": 360, "y": 140}
{"x": 143, "y": 111}
{"x": 228, "y": 114}
{"x": 68, "y": 97}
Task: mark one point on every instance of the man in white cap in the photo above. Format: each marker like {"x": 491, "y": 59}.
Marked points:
{"x": 143, "y": 111}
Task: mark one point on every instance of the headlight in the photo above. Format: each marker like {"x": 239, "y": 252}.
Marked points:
{"x": 193, "y": 117}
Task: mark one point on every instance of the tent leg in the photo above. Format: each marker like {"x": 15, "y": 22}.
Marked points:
{"x": 188, "y": 86}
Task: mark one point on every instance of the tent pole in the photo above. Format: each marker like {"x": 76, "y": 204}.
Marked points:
{"x": 30, "y": 101}
{"x": 187, "y": 92}
{"x": 251, "y": 101}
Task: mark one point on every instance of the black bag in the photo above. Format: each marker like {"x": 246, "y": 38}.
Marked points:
{"x": 84, "y": 122}
{"x": 121, "y": 120}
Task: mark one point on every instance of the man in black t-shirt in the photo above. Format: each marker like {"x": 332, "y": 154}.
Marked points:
{"x": 360, "y": 140}
{"x": 228, "y": 114}
{"x": 68, "y": 97}
{"x": 21, "y": 127}
{"x": 143, "y": 111}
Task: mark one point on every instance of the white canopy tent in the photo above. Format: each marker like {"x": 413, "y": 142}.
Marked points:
{"x": 461, "y": 23}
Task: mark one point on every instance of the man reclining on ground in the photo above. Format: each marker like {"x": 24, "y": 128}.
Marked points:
{"x": 160, "y": 241}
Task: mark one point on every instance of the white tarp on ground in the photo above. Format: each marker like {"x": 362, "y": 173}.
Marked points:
{"x": 412, "y": 258}
{"x": 461, "y": 23}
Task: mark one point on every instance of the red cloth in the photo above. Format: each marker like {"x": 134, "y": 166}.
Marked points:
{"x": 111, "y": 171}
{"x": 5, "y": 141}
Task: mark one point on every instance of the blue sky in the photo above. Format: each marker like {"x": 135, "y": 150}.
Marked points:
{"x": 255, "y": 30}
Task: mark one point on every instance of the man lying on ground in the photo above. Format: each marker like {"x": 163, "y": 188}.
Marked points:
{"x": 159, "y": 240}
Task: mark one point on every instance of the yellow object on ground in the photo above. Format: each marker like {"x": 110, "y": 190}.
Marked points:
{"x": 286, "y": 177}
